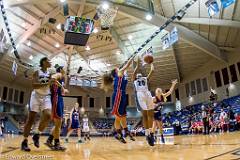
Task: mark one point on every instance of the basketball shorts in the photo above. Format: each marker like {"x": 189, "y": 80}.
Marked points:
{"x": 39, "y": 102}
{"x": 157, "y": 116}
{"x": 86, "y": 129}
{"x": 144, "y": 100}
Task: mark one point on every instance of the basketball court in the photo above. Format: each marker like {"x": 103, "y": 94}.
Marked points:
{"x": 215, "y": 147}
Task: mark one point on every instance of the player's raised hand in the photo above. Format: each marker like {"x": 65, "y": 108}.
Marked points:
{"x": 175, "y": 81}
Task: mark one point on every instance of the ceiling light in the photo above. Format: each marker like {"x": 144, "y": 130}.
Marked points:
{"x": 30, "y": 57}
{"x": 148, "y": 17}
{"x": 118, "y": 52}
{"x": 57, "y": 45}
{"x": 58, "y": 26}
{"x": 95, "y": 30}
{"x": 87, "y": 48}
{"x": 105, "y": 5}
{"x": 62, "y": 1}
{"x": 29, "y": 43}
{"x": 130, "y": 37}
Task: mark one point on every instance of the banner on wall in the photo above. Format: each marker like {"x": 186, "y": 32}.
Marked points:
{"x": 173, "y": 36}
{"x": 165, "y": 41}
{"x": 226, "y": 3}
{"x": 169, "y": 38}
{"x": 213, "y": 7}
{"x": 14, "y": 68}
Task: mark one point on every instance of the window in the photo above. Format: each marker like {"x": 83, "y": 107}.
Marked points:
{"x": 199, "y": 86}
{"x": 218, "y": 79}
{"x": 108, "y": 102}
{"x": 225, "y": 76}
{"x": 79, "y": 101}
{"x": 169, "y": 98}
{"x": 177, "y": 94}
{"x": 187, "y": 90}
{"x": 16, "y": 96}
{"x": 91, "y": 102}
{"x": 127, "y": 99}
{"x": 205, "y": 84}
{"x": 21, "y": 97}
{"x": 193, "y": 88}
{"x": 233, "y": 73}
{"x": 5, "y": 93}
{"x": 10, "y": 94}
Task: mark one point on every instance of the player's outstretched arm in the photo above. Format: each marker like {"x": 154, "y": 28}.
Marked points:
{"x": 125, "y": 67}
{"x": 135, "y": 70}
{"x": 174, "y": 82}
{"x": 151, "y": 71}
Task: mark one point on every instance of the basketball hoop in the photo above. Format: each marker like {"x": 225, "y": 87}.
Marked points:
{"x": 106, "y": 16}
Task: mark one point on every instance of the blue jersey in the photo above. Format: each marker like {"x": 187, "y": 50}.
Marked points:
{"x": 158, "y": 108}
{"x": 57, "y": 100}
{"x": 59, "y": 90}
{"x": 120, "y": 83}
{"x": 119, "y": 98}
{"x": 75, "y": 116}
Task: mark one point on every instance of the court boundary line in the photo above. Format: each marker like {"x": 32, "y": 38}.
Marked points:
{"x": 222, "y": 154}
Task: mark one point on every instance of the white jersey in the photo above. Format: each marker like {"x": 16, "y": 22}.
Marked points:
{"x": 43, "y": 77}
{"x": 141, "y": 84}
{"x": 85, "y": 122}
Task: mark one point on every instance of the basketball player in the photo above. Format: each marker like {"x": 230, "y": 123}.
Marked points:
{"x": 119, "y": 80}
{"x": 74, "y": 123}
{"x": 158, "y": 100}
{"x": 144, "y": 101}
{"x": 57, "y": 91}
{"x": 40, "y": 102}
{"x": 86, "y": 129}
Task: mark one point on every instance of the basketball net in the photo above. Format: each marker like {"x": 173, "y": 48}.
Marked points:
{"x": 106, "y": 16}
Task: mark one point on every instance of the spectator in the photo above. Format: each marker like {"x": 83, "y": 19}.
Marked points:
{"x": 224, "y": 121}
{"x": 205, "y": 120}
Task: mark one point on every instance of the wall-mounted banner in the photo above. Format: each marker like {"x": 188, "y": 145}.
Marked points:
{"x": 14, "y": 68}
{"x": 166, "y": 41}
{"x": 213, "y": 7}
{"x": 173, "y": 36}
{"x": 226, "y": 3}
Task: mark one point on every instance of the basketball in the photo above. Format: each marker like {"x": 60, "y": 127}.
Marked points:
{"x": 148, "y": 59}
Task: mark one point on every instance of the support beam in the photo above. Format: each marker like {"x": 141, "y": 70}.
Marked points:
{"x": 27, "y": 34}
{"x": 211, "y": 21}
{"x": 157, "y": 20}
{"x": 58, "y": 51}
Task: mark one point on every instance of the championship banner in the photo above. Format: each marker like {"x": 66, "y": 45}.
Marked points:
{"x": 173, "y": 36}
{"x": 213, "y": 7}
{"x": 166, "y": 41}
{"x": 226, "y": 3}
{"x": 14, "y": 68}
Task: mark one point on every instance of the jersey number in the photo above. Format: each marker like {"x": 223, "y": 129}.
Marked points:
{"x": 141, "y": 83}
